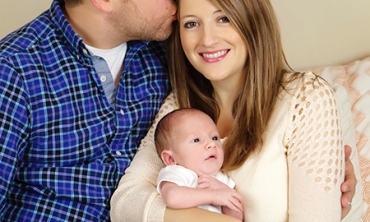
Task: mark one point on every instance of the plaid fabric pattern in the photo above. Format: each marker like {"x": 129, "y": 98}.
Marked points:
{"x": 63, "y": 147}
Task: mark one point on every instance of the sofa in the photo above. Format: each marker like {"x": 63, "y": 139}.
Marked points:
{"x": 351, "y": 84}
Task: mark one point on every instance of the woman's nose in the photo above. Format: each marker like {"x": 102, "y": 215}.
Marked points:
{"x": 210, "y": 36}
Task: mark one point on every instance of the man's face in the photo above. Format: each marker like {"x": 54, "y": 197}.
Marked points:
{"x": 144, "y": 19}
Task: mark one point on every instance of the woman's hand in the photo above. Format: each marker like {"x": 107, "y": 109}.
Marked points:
{"x": 348, "y": 187}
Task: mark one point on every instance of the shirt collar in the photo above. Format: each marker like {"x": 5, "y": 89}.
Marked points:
{"x": 62, "y": 26}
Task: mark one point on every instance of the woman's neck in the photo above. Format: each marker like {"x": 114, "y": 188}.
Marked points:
{"x": 225, "y": 93}
{"x": 225, "y": 99}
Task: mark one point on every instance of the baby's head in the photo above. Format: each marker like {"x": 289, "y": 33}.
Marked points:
{"x": 189, "y": 137}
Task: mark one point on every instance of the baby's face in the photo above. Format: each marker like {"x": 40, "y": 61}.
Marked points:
{"x": 197, "y": 145}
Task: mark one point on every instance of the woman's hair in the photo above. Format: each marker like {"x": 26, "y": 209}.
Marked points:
{"x": 265, "y": 68}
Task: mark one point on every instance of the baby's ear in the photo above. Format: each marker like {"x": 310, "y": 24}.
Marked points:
{"x": 167, "y": 157}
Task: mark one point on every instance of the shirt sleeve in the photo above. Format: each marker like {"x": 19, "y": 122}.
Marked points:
{"x": 136, "y": 197}
{"x": 14, "y": 115}
{"x": 178, "y": 175}
{"x": 315, "y": 153}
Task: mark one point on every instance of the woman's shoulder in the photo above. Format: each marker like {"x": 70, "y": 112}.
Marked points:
{"x": 170, "y": 100}
{"x": 296, "y": 77}
{"x": 169, "y": 104}
{"x": 306, "y": 83}
{"x": 304, "y": 92}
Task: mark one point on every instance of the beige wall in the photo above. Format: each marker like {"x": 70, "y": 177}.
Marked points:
{"x": 15, "y": 13}
{"x": 315, "y": 32}
{"x": 324, "y": 32}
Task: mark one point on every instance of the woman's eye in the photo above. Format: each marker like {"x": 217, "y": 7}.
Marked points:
{"x": 190, "y": 24}
{"x": 215, "y": 138}
{"x": 224, "y": 20}
{"x": 195, "y": 140}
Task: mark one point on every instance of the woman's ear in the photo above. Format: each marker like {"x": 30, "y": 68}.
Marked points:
{"x": 103, "y": 5}
{"x": 168, "y": 158}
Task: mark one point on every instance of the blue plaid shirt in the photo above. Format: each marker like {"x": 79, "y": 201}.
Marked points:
{"x": 63, "y": 147}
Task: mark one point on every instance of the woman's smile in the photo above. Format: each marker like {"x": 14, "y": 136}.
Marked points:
{"x": 214, "y": 56}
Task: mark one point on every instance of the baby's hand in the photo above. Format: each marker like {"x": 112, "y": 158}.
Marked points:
{"x": 228, "y": 197}
{"x": 209, "y": 182}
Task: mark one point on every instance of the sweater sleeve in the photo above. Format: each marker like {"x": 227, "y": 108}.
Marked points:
{"x": 315, "y": 153}
{"x": 136, "y": 197}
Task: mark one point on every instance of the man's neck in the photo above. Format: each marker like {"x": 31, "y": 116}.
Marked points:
{"x": 91, "y": 25}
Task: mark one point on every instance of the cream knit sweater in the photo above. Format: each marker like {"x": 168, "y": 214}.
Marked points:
{"x": 295, "y": 177}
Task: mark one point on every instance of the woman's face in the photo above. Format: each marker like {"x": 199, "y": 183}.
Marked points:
{"x": 210, "y": 42}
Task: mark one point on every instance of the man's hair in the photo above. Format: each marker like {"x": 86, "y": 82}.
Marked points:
{"x": 165, "y": 127}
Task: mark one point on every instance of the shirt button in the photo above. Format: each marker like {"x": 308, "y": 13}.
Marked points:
{"x": 122, "y": 112}
{"x": 78, "y": 57}
{"x": 84, "y": 51}
{"x": 118, "y": 153}
{"x": 103, "y": 78}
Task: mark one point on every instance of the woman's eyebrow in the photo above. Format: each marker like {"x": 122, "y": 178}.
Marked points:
{"x": 186, "y": 16}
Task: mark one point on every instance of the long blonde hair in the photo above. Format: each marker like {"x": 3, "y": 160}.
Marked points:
{"x": 265, "y": 69}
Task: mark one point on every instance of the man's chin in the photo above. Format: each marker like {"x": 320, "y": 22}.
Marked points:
{"x": 161, "y": 35}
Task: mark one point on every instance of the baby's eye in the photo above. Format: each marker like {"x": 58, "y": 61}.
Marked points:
{"x": 196, "y": 140}
{"x": 190, "y": 25}
{"x": 224, "y": 20}
{"x": 215, "y": 138}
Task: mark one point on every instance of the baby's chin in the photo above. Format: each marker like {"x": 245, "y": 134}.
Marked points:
{"x": 208, "y": 172}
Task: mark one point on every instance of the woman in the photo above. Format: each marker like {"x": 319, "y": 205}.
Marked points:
{"x": 283, "y": 148}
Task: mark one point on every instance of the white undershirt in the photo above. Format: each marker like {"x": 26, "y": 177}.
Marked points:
{"x": 114, "y": 58}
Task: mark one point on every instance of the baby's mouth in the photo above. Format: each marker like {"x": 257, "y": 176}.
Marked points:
{"x": 211, "y": 157}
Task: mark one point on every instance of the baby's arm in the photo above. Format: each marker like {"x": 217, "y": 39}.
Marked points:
{"x": 209, "y": 182}
{"x": 179, "y": 197}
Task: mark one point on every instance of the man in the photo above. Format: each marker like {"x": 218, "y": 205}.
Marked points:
{"x": 78, "y": 93}
{"x": 72, "y": 113}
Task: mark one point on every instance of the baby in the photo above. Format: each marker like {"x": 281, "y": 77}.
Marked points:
{"x": 188, "y": 142}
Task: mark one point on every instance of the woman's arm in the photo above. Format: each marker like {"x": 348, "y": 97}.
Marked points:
{"x": 315, "y": 154}
{"x": 196, "y": 215}
{"x": 136, "y": 197}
